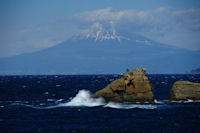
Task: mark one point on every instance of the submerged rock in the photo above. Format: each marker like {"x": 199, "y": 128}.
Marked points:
{"x": 185, "y": 90}
{"x": 133, "y": 87}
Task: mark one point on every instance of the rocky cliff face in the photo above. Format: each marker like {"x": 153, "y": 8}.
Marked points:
{"x": 133, "y": 87}
{"x": 184, "y": 90}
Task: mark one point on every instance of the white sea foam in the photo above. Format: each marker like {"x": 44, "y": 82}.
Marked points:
{"x": 187, "y": 101}
{"x": 159, "y": 102}
{"x": 59, "y": 100}
{"x": 84, "y": 98}
{"x": 50, "y": 100}
{"x": 58, "y": 85}
{"x": 130, "y": 106}
{"x": 192, "y": 101}
{"x": 46, "y": 93}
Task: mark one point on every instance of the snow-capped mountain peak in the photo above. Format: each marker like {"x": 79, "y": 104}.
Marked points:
{"x": 99, "y": 33}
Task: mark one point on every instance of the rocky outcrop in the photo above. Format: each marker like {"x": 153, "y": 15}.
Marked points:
{"x": 133, "y": 87}
{"x": 184, "y": 90}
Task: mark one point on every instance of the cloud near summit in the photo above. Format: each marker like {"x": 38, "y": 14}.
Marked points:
{"x": 173, "y": 27}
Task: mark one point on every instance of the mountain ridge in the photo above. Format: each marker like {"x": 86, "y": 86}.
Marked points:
{"x": 109, "y": 56}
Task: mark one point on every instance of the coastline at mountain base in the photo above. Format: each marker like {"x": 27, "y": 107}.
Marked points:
{"x": 133, "y": 87}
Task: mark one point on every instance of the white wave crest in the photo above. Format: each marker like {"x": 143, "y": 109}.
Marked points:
{"x": 187, "y": 101}
{"x": 130, "y": 106}
{"x": 84, "y": 98}
{"x": 158, "y": 102}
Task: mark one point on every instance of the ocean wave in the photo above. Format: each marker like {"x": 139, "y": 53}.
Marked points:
{"x": 130, "y": 106}
{"x": 84, "y": 98}
{"x": 187, "y": 101}
{"x": 158, "y": 101}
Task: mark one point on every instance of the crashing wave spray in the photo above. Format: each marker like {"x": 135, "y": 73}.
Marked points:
{"x": 84, "y": 98}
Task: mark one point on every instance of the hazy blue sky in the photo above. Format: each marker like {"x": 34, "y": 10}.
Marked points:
{"x": 31, "y": 25}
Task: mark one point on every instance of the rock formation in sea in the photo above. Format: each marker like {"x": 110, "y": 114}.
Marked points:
{"x": 133, "y": 87}
{"x": 185, "y": 90}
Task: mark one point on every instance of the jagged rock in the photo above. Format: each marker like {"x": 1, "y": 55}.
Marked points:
{"x": 184, "y": 90}
{"x": 133, "y": 87}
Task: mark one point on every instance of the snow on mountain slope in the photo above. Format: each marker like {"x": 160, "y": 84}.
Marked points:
{"x": 99, "y": 33}
{"x": 102, "y": 51}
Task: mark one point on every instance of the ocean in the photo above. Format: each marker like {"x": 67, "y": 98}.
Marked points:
{"x": 63, "y": 103}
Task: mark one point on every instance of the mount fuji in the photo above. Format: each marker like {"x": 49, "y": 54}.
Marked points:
{"x": 100, "y": 51}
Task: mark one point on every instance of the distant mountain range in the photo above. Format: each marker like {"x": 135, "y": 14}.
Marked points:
{"x": 103, "y": 52}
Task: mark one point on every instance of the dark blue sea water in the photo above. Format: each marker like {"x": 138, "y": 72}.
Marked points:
{"x": 63, "y": 104}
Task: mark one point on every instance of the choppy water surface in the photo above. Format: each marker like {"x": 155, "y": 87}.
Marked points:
{"x": 60, "y": 103}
